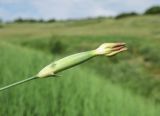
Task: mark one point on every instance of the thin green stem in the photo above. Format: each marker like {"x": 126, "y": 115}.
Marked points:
{"x": 18, "y": 83}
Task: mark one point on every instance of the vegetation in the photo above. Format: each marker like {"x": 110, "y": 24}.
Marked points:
{"x": 1, "y": 25}
{"x": 21, "y": 20}
{"x": 80, "y": 92}
{"x": 153, "y": 10}
{"x": 57, "y": 47}
{"x": 124, "y": 15}
{"x": 125, "y": 85}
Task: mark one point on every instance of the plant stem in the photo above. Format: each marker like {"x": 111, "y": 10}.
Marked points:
{"x": 18, "y": 83}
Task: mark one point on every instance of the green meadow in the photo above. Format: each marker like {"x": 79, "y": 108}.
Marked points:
{"x": 124, "y": 85}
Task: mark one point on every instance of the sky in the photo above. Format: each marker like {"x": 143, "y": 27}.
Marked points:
{"x": 70, "y": 9}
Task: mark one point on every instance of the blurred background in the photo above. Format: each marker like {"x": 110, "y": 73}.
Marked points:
{"x": 34, "y": 33}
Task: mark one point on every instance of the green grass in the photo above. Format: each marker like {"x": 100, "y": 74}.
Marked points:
{"x": 138, "y": 68}
{"x": 79, "y": 91}
{"x": 125, "y": 85}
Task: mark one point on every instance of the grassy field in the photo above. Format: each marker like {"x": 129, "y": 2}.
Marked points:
{"x": 125, "y": 85}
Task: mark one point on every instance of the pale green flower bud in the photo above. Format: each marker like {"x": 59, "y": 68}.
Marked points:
{"x": 107, "y": 49}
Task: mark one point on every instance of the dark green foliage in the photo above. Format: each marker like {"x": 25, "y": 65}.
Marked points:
{"x": 124, "y": 15}
{"x": 153, "y": 10}
{"x": 51, "y": 21}
{"x": 21, "y": 20}
{"x": 1, "y": 24}
{"x": 56, "y": 47}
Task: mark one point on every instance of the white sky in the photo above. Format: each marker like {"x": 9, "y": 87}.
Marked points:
{"x": 66, "y": 9}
